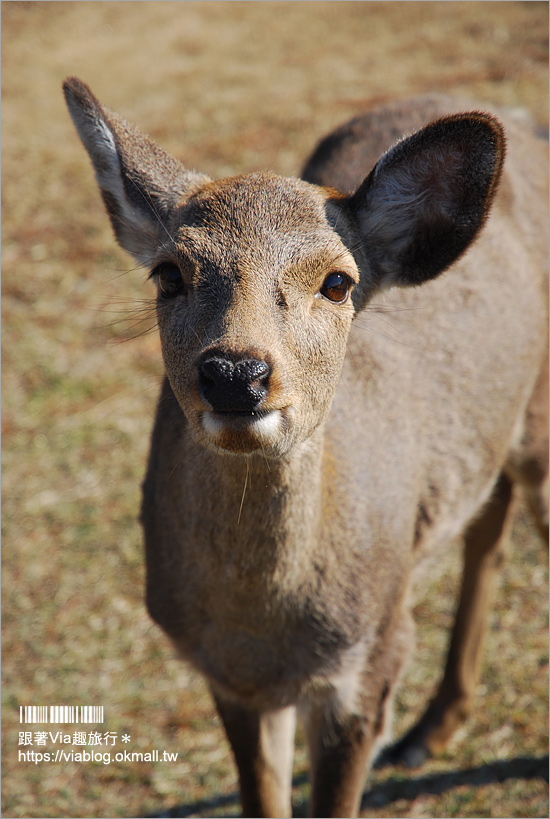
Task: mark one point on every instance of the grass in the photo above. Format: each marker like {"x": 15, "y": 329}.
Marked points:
{"x": 229, "y": 87}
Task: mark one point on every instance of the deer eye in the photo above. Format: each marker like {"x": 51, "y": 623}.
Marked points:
{"x": 169, "y": 279}
{"x": 336, "y": 287}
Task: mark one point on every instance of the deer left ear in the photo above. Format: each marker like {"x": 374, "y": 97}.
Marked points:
{"x": 428, "y": 197}
{"x": 140, "y": 183}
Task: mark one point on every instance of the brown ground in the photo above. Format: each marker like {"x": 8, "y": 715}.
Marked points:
{"x": 227, "y": 86}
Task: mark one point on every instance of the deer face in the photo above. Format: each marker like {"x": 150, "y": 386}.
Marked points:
{"x": 254, "y": 308}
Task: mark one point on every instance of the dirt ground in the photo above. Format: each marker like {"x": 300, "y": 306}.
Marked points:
{"x": 228, "y": 87}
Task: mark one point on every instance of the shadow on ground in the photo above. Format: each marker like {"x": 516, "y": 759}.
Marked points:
{"x": 392, "y": 789}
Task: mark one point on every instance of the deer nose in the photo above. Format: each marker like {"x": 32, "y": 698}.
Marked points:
{"x": 233, "y": 386}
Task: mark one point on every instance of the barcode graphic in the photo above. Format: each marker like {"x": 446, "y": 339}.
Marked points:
{"x": 60, "y": 714}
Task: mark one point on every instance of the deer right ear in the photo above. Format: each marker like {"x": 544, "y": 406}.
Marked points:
{"x": 139, "y": 181}
{"x": 428, "y": 197}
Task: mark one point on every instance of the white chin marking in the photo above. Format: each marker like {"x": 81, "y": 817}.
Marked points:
{"x": 262, "y": 427}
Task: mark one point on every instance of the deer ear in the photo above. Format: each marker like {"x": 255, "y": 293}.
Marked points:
{"x": 140, "y": 183}
{"x": 428, "y": 197}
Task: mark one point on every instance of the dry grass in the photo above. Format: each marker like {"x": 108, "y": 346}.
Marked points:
{"x": 228, "y": 87}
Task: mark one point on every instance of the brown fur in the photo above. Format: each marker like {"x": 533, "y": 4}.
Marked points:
{"x": 302, "y": 461}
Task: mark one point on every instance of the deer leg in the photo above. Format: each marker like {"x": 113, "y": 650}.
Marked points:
{"x": 484, "y": 552}
{"x": 529, "y": 465}
{"x": 263, "y": 745}
{"x": 340, "y": 751}
{"x": 344, "y": 729}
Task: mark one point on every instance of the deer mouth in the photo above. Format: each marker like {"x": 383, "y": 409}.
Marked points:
{"x": 243, "y": 432}
{"x": 260, "y": 421}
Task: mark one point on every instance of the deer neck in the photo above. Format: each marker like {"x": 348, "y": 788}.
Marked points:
{"x": 259, "y": 512}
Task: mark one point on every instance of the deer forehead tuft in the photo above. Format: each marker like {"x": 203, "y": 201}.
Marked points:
{"x": 257, "y": 202}
{"x": 259, "y": 221}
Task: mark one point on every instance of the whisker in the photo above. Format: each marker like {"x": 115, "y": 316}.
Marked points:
{"x": 244, "y": 491}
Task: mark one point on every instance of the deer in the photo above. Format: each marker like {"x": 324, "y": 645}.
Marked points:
{"x": 356, "y": 375}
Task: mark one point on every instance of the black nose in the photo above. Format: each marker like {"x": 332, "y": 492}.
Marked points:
{"x": 233, "y": 386}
